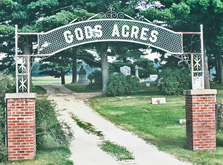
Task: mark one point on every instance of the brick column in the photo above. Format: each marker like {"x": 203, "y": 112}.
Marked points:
{"x": 201, "y": 119}
{"x": 21, "y": 128}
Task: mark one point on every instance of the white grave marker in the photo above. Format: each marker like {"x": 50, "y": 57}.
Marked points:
{"x": 158, "y": 100}
{"x": 125, "y": 70}
{"x": 153, "y": 77}
{"x": 147, "y": 84}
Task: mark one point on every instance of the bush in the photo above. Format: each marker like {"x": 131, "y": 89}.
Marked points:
{"x": 47, "y": 123}
{"x": 95, "y": 79}
{"x": 7, "y": 85}
{"x": 121, "y": 85}
{"x": 172, "y": 81}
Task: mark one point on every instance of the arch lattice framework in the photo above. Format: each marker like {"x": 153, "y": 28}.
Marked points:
{"x": 108, "y": 27}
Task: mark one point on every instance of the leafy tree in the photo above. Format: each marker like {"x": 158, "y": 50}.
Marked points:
{"x": 6, "y": 33}
{"x": 173, "y": 81}
{"x": 58, "y": 66}
{"x": 187, "y": 16}
{"x": 146, "y": 67}
{"x": 95, "y": 79}
{"x": 126, "y": 52}
{"x": 121, "y": 85}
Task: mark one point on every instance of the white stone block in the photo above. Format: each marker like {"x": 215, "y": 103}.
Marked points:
{"x": 158, "y": 100}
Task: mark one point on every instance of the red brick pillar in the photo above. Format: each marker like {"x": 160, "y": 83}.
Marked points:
{"x": 21, "y": 128}
{"x": 201, "y": 119}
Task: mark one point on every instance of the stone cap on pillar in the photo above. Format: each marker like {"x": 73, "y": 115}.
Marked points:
{"x": 200, "y": 92}
{"x": 20, "y": 95}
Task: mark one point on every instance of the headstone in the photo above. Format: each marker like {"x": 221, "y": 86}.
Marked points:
{"x": 137, "y": 71}
{"x": 125, "y": 70}
{"x": 82, "y": 76}
{"x": 153, "y": 77}
{"x": 181, "y": 121}
{"x": 147, "y": 84}
{"x": 158, "y": 100}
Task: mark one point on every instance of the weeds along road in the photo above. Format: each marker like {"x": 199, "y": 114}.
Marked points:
{"x": 86, "y": 146}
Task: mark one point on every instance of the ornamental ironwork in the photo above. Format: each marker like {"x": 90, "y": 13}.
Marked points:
{"x": 109, "y": 27}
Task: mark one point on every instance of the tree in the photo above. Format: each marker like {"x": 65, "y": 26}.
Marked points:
{"x": 58, "y": 66}
{"x": 146, "y": 67}
{"x": 102, "y": 51}
{"x": 19, "y": 12}
{"x": 188, "y": 15}
{"x": 174, "y": 80}
{"x": 198, "y": 12}
{"x": 6, "y": 33}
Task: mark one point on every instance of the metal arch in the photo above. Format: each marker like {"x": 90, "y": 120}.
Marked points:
{"x": 54, "y": 41}
{"x": 170, "y": 42}
{"x": 117, "y": 40}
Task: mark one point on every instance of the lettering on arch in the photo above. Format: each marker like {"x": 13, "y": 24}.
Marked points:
{"x": 117, "y": 30}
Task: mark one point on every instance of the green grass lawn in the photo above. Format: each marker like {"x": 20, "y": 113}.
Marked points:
{"x": 48, "y": 80}
{"x": 38, "y": 89}
{"x": 157, "y": 123}
{"x": 220, "y": 91}
{"x": 49, "y": 153}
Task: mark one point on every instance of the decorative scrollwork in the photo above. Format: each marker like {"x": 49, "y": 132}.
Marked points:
{"x": 184, "y": 58}
{"x": 191, "y": 43}
{"x": 111, "y": 13}
{"x": 24, "y": 42}
{"x": 139, "y": 17}
{"x": 197, "y": 62}
{"x": 27, "y": 44}
{"x": 22, "y": 74}
{"x": 23, "y": 80}
{"x": 82, "y": 18}
{"x": 22, "y": 65}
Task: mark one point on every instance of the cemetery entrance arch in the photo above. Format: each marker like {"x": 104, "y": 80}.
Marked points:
{"x": 104, "y": 27}
{"x": 110, "y": 26}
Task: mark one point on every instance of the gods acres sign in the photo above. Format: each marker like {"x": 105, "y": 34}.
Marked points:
{"x": 110, "y": 30}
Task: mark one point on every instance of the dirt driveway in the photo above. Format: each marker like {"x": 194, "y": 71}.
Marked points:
{"x": 85, "y": 147}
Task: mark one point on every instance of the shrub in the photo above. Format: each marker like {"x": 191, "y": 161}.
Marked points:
{"x": 121, "y": 85}
{"x": 47, "y": 123}
{"x": 172, "y": 81}
{"x": 6, "y": 85}
{"x": 95, "y": 79}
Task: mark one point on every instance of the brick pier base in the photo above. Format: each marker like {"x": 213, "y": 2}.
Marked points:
{"x": 21, "y": 129}
{"x": 201, "y": 119}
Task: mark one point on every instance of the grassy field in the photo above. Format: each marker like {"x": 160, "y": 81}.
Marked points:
{"x": 49, "y": 153}
{"x": 48, "y": 80}
{"x": 220, "y": 91}
{"x": 157, "y": 123}
{"x": 38, "y": 89}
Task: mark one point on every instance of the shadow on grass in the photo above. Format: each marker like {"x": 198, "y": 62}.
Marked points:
{"x": 219, "y": 139}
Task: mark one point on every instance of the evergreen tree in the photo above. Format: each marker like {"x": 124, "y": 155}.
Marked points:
{"x": 188, "y": 15}
{"x": 58, "y": 66}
